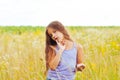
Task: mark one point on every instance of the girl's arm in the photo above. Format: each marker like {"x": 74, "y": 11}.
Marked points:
{"x": 80, "y": 65}
{"x": 55, "y": 60}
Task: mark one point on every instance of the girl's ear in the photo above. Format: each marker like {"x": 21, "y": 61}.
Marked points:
{"x": 52, "y": 47}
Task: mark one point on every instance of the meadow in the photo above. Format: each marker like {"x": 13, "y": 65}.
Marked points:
{"x": 22, "y": 55}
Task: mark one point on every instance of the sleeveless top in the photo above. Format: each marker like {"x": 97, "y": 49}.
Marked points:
{"x": 66, "y": 68}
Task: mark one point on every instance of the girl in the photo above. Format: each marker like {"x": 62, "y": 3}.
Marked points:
{"x": 63, "y": 56}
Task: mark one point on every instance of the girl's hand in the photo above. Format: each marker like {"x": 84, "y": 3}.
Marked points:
{"x": 80, "y": 67}
{"x": 61, "y": 45}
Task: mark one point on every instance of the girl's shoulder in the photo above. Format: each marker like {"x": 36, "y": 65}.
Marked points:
{"x": 79, "y": 46}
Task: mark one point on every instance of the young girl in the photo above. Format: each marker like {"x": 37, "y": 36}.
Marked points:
{"x": 63, "y": 56}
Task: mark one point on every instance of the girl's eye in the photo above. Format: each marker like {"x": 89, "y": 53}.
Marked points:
{"x": 54, "y": 31}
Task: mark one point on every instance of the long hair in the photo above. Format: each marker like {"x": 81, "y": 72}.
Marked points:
{"x": 49, "y": 52}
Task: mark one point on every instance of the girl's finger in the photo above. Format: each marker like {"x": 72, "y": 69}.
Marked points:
{"x": 57, "y": 41}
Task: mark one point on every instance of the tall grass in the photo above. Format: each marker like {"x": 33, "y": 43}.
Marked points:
{"x": 22, "y": 52}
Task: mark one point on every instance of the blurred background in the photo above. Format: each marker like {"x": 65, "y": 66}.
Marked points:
{"x": 95, "y": 24}
{"x": 69, "y": 12}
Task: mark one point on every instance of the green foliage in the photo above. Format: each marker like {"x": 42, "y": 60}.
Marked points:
{"x": 22, "y": 52}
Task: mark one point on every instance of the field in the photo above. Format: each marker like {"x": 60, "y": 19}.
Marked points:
{"x": 22, "y": 52}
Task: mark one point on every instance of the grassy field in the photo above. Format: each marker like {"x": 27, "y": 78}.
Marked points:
{"x": 22, "y": 52}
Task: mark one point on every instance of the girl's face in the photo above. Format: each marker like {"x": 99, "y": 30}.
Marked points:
{"x": 55, "y": 35}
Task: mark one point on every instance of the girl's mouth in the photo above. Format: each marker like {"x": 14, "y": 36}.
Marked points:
{"x": 56, "y": 39}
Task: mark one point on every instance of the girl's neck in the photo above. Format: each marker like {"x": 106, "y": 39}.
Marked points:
{"x": 68, "y": 44}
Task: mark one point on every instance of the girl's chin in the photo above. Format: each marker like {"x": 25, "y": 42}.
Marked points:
{"x": 61, "y": 41}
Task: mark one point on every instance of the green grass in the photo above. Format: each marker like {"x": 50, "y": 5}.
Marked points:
{"x": 22, "y": 52}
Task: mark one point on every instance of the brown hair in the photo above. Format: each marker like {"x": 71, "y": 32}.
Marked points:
{"x": 49, "y": 52}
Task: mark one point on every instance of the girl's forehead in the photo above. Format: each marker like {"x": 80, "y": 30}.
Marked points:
{"x": 50, "y": 30}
